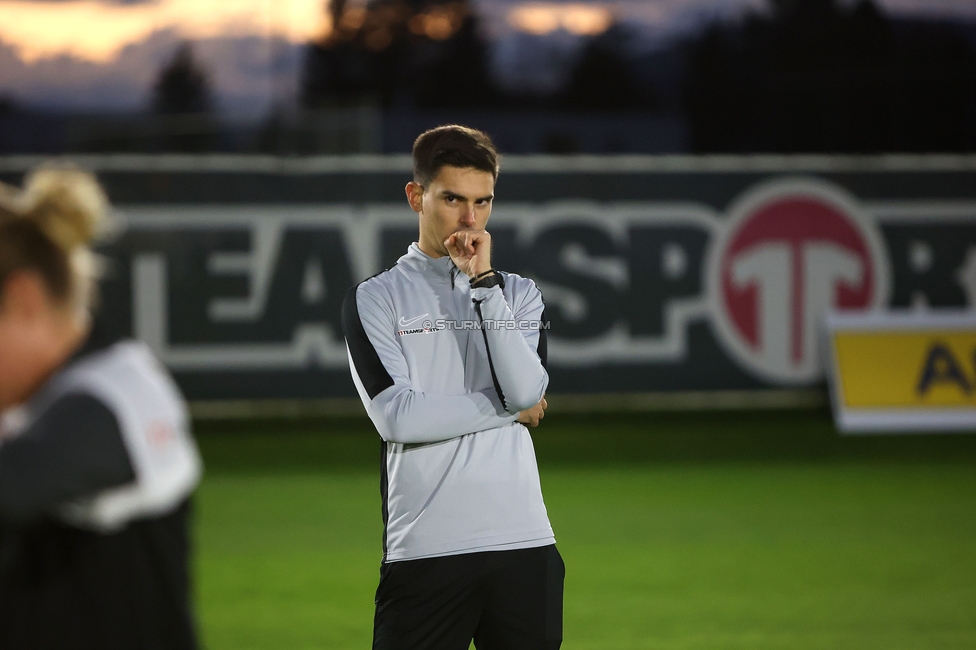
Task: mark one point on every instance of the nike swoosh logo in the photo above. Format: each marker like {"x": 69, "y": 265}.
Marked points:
{"x": 406, "y": 323}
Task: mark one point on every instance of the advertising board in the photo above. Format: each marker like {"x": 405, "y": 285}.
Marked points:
{"x": 903, "y": 371}
{"x": 670, "y": 275}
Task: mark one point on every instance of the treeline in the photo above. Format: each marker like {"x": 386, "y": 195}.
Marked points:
{"x": 805, "y": 75}
{"x": 430, "y": 54}
{"x": 816, "y": 77}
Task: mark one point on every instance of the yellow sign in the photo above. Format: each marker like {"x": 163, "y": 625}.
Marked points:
{"x": 906, "y": 369}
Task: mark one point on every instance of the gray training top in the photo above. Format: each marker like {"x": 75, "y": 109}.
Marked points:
{"x": 443, "y": 371}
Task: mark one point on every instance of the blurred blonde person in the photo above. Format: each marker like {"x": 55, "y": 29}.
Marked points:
{"x": 97, "y": 462}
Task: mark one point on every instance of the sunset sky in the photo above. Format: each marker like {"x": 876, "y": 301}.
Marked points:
{"x": 103, "y": 54}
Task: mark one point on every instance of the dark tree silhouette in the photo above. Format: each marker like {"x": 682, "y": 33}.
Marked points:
{"x": 453, "y": 73}
{"x": 815, "y": 76}
{"x": 603, "y": 78}
{"x": 182, "y": 86}
{"x": 182, "y": 103}
{"x": 7, "y": 105}
{"x": 427, "y": 54}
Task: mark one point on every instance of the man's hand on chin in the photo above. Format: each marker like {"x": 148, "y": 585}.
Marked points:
{"x": 470, "y": 251}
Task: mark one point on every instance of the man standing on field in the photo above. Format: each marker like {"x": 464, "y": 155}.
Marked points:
{"x": 449, "y": 356}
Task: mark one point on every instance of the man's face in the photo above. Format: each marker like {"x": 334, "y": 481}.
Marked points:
{"x": 459, "y": 198}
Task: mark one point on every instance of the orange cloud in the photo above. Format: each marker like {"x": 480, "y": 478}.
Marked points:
{"x": 97, "y": 31}
{"x": 581, "y": 19}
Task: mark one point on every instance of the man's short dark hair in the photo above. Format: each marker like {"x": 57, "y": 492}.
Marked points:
{"x": 452, "y": 145}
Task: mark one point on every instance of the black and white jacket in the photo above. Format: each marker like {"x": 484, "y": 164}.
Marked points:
{"x": 96, "y": 472}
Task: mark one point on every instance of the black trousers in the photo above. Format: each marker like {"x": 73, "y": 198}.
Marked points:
{"x": 504, "y": 600}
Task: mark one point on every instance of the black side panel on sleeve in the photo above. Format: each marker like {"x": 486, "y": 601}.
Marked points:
{"x": 384, "y": 491}
{"x": 491, "y": 365}
{"x": 543, "y": 347}
{"x": 369, "y": 367}
{"x": 74, "y": 449}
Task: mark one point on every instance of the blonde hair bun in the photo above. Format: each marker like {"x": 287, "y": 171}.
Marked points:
{"x": 67, "y": 204}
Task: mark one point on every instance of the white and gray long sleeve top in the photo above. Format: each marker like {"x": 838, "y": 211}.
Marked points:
{"x": 443, "y": 371}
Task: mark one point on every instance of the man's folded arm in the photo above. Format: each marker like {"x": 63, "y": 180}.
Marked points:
{"x": 516, "y": 345}
{"x": 400, "y": 413}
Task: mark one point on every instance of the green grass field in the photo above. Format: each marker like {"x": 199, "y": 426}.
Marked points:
{"x": 721, "y": 530}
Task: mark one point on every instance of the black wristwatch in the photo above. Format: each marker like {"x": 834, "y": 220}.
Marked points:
{"x": 488, "y": 279}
